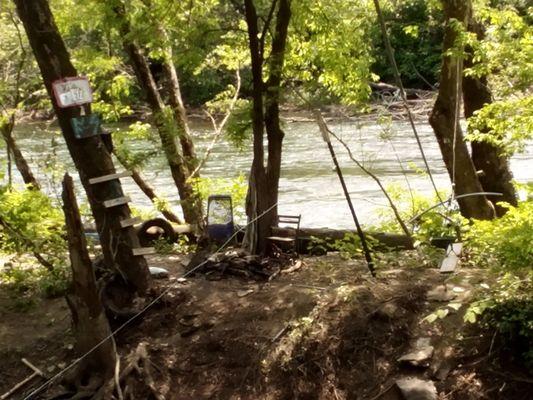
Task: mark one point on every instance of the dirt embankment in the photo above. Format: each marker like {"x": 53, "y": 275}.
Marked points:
{"x": 325, "y": 331}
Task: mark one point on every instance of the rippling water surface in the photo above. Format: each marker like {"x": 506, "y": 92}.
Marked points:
{"x": 309, "y": 185}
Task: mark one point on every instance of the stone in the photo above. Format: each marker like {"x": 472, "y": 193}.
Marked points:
{"x": 388, "y": 311}
{"x": 440, "y": 293}
{"x": 243, "y": 293}
{"x": 158, "y": 273}
{"x": 417, "y": 389}
{"x": 420, "y": 354}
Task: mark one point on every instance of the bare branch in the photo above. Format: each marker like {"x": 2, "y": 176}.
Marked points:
{"x": 218, "y": 129}
{"x": 266, "y": 26}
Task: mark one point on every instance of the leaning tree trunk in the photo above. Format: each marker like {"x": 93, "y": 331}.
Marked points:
{"x": 164, "y": 121}
{"x": 89, "y": 322}
{"x": 444, "y": 119}
{"x": 174, "y": 95}
{"x": 91, "y": 157}
{"x": 12, "y": 147}
{"x": 493, "y": 168}
{"x": 146, "y": 188}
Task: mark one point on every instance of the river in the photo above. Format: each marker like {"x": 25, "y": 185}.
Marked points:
{"x": 308, "y": 185}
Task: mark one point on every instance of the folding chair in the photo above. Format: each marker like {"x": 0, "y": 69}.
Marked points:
{"x": 284, "y": 241}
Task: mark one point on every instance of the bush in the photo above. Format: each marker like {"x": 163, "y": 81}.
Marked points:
{"x": 508, "y": 310}
{"x": 34, "y": 225}
{"x": 504, "y": 243}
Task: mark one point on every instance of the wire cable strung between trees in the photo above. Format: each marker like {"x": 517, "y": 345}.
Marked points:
{"x": 398, "y": 79}
{"x": 186, "y": 274}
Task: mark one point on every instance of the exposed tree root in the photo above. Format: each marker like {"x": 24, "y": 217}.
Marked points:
{"x": 137, "y": 371}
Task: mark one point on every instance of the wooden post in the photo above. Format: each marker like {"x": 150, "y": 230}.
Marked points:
{"x": 90, "y": 324}
{"x": 360, "y": 233}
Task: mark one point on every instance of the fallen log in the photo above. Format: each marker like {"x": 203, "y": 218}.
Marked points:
{"x": 328, "y": 236}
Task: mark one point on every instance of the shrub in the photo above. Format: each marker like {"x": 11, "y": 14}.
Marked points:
{"x": 508, "y": 310}
{"x": 504, "y": 243}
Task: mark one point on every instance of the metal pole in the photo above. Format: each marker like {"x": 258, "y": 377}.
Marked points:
{"x": 326, "y": 136}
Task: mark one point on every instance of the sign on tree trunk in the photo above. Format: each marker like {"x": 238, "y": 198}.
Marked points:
{"x": 73, "y": 91}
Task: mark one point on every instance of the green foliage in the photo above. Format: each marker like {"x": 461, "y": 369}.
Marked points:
{"x": 182, "y": 246}
{"x": 415, "y": 32}
{"x": 412, "y": 206}
{"x": 507, "y": 308}
{"x": 507, "y": 124}
{"x": 329, "y": 48}
{"x": 506, "y": 51}
{"x": 503, "y": 243}
{"x": 236, "y": 188}
{"x": 37, "y": 224}
{"x": 239, "y": 127}
{"x": 126, "y": 145}
{"x": 26, "y": 283}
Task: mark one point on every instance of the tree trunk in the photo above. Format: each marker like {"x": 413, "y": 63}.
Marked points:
{"x": 272, "y": 99}
{"x": 444, "y": 119}
{"x": 262, "y": 197}
{"x": 174, "y": 95}
{"x": 165, "y": 124}
{"x": 180, "y": 114}
{"x": 90, "y": 325}
{"x": 12, "y": 147}
{"x": 147, "y": 189}
{"x": 91, "y": 157}
{"x": 496, "y": 175}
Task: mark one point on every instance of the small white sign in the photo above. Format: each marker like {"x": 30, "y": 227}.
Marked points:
{"x": 73, "y": 91}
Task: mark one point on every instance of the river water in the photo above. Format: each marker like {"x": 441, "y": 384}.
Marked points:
{"x": 309, "y": 185}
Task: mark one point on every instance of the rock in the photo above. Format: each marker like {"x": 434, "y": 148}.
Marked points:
{"x": 441, "y": 370}
{"x": 420, "y": 354}
{"x": 417, "y": 389}
{"x": 158, "y": 273}
{"x": 440, "y": 293}
{"x": 243, "y": 293}
{"x": 387, "y": 311}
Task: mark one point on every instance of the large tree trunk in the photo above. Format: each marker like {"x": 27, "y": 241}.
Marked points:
{"x": 444, "y": 119}
{"x": 21, "y": 163}
{"x": 491, "y": 163}
{"x": 91, "y": 157}
{"x": 257, "y": 197}
{"x": 165, "y": 124}
{"x": 264, "y": 181}
{"x": 90, "y": 325}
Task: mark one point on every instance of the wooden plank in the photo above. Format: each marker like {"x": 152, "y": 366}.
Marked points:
{"x": 130, "y": 222}
{"x": 281, "y": 239}
{"x": 449, "y": 263}
{"x": 109, "y": 177}
{"x": 143, "y": 251}
{"x": 116, "y": 202}
{"x": 456, "y": 248}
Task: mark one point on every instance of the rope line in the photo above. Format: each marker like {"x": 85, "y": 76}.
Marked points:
{"x": 399, "y": 83}
{"x": 186, "y": 274}
{"x": 456, "y": 122}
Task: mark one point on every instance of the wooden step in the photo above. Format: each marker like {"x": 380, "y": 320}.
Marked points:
{"x": 143, "y": 251}
{"x": 452, "y": 258}
{"x": 109, "y": 177}
{"x": 116, "y": 202}
{"x": 130, "y": 222}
